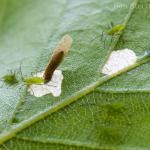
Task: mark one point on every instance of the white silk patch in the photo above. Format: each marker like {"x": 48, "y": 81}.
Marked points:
{"x": 53, "y": 86}
{"x": 119, "y": 60}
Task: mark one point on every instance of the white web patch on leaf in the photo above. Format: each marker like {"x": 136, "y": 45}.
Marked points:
{"x": 53, "y": 86}
{"x": 119, "y": 60}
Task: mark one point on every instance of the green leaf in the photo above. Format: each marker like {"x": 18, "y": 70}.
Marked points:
{"x": 92, "y": 112}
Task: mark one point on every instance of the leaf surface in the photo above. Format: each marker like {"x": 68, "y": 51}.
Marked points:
{"x": 113, "y": 116}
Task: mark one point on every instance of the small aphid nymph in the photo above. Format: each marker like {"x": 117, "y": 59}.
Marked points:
{"x": 110, "y": 31}
{"x": 33, "y": 80}
{"x": 10, "y": 79}
{"x": 115, "y": 29}
{"x": 57, "y": 57}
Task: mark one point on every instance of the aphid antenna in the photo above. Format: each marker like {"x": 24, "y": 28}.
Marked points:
{"x": 104, "y": 43}
{"x": 22, "y": 86}
{"x": 101, "y": 36}
{"x": 52, "y": 85}
{"x": 122, "y": 39}
{"x": 12, "y": 72}
{"x": 32, "y": 91}
{"x": 112, "y": 38}
{"x": 20, "y": 71}
{"x": 33, "y": 73}
{"x": 110, "y": 25}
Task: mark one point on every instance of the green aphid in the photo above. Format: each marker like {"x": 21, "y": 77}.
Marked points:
{"x": 33, "y": 80}
{"x": 10, "y": 79}
{"x": 115, "y": 30}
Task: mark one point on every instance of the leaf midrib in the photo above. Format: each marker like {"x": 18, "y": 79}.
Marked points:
{"x": 59, "y": 105}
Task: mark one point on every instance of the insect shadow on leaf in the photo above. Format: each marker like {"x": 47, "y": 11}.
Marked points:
{"x": 111, "y": 124}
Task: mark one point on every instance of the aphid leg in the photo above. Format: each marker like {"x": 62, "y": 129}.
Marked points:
{"x": 102, "y": 35}
{"x": 33, "y": 73}
{"x": 14, "y": 73}
{"x": 52, "y": 85}
{"x": 7, "y": 87}
{"x": 104, "y": 42}
{"x": 21, "y": 87}
{"x": 11, "y": 72}
{"x": 28, "y": 88}
{"x": 2, "y": 85}
{"x": 108, "y": 27}
{"x": 32, "y": 91}
{"x": 123, "y": 40}
{"x": 20, "y": 71}
{"x": 111, "y": 24}
{"x": 2, "y": 81}
{"x": 95, "y": 38}
{"x": 112, "y": 38}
